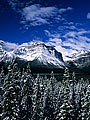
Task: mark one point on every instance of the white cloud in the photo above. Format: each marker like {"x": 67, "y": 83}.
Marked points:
{"x": 88, "y": 16}
{"x": 70, "y": 34}
{"x": 58, "y": 44}
{"x": 37, "y": 15}
{"x": 84, "y": 32}
{"x": 75, "y": 34}
{"x": 11, "y": 45}
{"x": 55, "y": 42}
{"x": 53, "y": 35}
{"x": 8, "y": 46}
{"x": 62, "y": 10}
{"x": 72, "y": 27}
{"x": 73, "y": 42}
{"x": 77, "y": 40}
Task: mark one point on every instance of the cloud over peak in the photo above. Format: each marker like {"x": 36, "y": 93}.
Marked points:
{"x": 74, "y": 41}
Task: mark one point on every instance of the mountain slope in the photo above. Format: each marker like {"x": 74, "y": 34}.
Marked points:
{"x": 40, "y": 54}
{"x": 37, "y": 53}
{"x": 81, "y": 60}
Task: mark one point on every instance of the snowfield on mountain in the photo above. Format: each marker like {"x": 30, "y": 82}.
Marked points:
{"x": 34, "y": 51}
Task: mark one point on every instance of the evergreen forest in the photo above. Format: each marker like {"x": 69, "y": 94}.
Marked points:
{"x": 24, "y": 97}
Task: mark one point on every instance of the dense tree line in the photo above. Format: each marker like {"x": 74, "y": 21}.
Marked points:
{"x": 23, "y": 97}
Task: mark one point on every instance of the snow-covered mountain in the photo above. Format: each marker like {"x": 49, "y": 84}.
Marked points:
{"x": 81, "y": 60}
{"x": 42, "y": 56}
{"x": 35, "y": 52}
{"x": 6, "y": 51}
{"x": 76, "y": 55}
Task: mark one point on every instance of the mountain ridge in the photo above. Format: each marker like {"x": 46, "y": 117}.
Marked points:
{"x": 34, "y": 51}
{"x": 43, "y": 56}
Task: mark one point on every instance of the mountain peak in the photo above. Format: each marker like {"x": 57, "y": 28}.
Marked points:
{"x": 38, "y": 52}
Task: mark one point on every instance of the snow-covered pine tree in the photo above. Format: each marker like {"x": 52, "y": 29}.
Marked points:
{"x": 39, "y": 97}
{"x": 2, "y": 76}
{"x": 86, "y": 105}
{"x": 65, "y": 108}
{"x": 66, "y": 76}
{"x": 16, "y": 82}
{"x": 26, "y": 94}
{"x": 64, "y": 113}
{"x": 36, "y": 99}
{"x": 79, "y": 99}
{"x": 43, "y": 91}
{"x": 10, "y": 106}
{"x": 51, "y": 100}
{"x": 45, "y": 95}
{"x": 72, "y": 96}
{"x": 7, "y": 97}
{"x": 48, "y": 109}
{"x": 59, "y": 100}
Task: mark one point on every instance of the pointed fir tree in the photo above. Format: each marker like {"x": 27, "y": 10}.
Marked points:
{"x": 38, "y": 93}
{"x": 45, "y": 95}
{"x": 64, "y": 108}
{"x": 59, "y": 100}
{"x": 86, "y": 105}
{"x": 10, "y": 103}
{"x": 64, "y": 113}
{"x": 79, "y": 100}
{"x": 2, "y": 77}
{"x": 35, "y": 98}
{"x": 72, "y": 97}
{"x": 26, "y": 94}
{"x": 7, "y": 97}
{"x": 51, "y": 100}
{"x": 66, "y": 78}
{"x": 16, "y": 82}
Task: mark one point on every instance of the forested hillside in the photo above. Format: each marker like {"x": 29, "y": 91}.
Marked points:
{"x": 23, "y": 97}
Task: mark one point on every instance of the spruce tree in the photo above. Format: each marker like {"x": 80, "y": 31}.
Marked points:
{"x": 79, "y": 100}
{"x": 38, "y": 93}
{"x": 10, "y": 103}
{"x": 86, "y": 105}
{"x": 26, "y": 94}
{"x": 64, "y": 113}
{"x": 2, "y": 77}
{"x": 51, "y": 100}
{"x": 72, "y": 96}
{"x": 16, "y": 82}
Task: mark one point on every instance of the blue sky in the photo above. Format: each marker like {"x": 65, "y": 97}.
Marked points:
{"x": 64, "y": 24}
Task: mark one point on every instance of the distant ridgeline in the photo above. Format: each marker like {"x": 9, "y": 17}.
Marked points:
{"x": 23, "y": 97}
